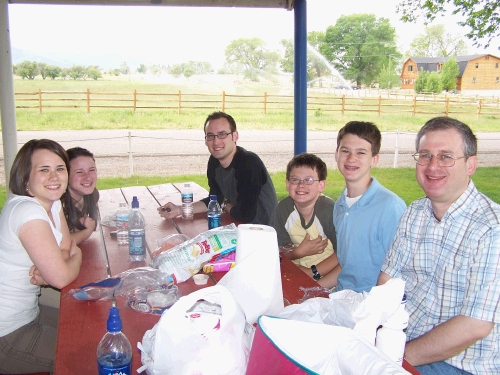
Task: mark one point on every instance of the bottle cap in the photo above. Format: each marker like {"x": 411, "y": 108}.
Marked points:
{"x": 213, "y": 197}
{"x": 114, "y": 320}
{"x": 135, "y": 202}
{"x": 123, "y": 204}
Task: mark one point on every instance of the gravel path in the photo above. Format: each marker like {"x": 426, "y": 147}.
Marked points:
{"x": 174, "y": 152}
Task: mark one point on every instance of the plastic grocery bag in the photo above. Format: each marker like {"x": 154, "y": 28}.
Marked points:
{"x": 290, "y": 347}
{"x": 363, "y": 312}
{"x": 203, "y": 333}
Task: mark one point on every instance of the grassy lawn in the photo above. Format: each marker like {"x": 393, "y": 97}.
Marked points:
{"x": 401, "y": 181}
{"x": 322, "y": 114}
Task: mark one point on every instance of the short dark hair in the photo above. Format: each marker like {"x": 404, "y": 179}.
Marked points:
{"x": 76, "y": 152}
{"x": 445, "y": 123}
{"x": 307, "y": 160}
{"x": 217, "y": 115}
{"x": 364, "y": 130}
{"x": 21, "y": 167}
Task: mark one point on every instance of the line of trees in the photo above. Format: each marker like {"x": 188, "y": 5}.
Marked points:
{"x": 31, "y": 69}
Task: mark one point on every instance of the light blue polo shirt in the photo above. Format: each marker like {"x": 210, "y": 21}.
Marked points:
{"x": 365, "y": 232}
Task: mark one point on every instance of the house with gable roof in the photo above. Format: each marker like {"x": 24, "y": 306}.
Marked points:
{"x": 478, "y": 73}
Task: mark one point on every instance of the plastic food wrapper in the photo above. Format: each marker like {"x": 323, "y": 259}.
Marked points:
{"x": 168, "y": 242}
{"x": 187, "y": 259}
{"x": 221, "y": 264}
{"x": 110, "y": 219}
{"x": 363, "y": 312}
{"x": 127, "y": 283}
{"x": 204, "y": 332}
{"x": 153, "y": 301}
{"x": 317, "y": 291}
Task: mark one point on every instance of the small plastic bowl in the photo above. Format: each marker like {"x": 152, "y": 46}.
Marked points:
{"x": 200, "y": 279}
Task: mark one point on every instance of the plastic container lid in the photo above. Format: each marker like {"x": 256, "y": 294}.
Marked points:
{"x": 200, "y": 279}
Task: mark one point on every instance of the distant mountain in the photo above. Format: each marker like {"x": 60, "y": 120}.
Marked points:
{"x": 66, "y": 60}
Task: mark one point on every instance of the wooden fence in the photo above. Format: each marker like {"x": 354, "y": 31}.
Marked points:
{"x": 343, "y": 102}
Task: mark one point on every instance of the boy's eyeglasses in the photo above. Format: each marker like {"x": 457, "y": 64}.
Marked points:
{"x": 221, "y": 135}
{"x": 305, "y": 181}
{"x": 444, "y": 160}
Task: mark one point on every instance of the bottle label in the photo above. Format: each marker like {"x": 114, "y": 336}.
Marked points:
{"x": 213, "y": 221}
{"x": 136, "y": 242}
{"x": 187, "y": 197}
{"x": 114, "y": 369}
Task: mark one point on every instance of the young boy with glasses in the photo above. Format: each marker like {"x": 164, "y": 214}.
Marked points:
{"x": 366, "y": 214}
{"x": 304, "y": 219}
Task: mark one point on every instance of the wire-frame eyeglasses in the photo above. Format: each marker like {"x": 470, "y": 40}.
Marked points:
{"x": 443, "y": 159}
{"x": 221, "y": 135}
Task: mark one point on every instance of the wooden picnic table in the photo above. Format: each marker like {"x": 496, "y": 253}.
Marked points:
{"x": 83, "y": 323}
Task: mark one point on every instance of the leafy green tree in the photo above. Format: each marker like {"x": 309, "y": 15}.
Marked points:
{"x": 142, "y": 69}
{"x": 77, "y": 72}
{"x": 388, "y": 78}
{"x": 434, "y": 83}
{"x": 481, "y": 16}
{"x": 421, "y": 81}
{"x": 252, "y": 56}
{"x": 27, "y": 69}
{"x": 176, "y": 70}
{"x": 316, "y": 63}
{"x": 358, "y": 46}
{"x": 286, "y": 63}
{"x": 436, "y": 42}
{"x": 42, "y": 69}
{"x": 94, "y": 73}
{"x": 124, "y": 68}
{"x": 189, "y": 71}
{"x": 449, "y": 73}
{"x": 53, "y": 71}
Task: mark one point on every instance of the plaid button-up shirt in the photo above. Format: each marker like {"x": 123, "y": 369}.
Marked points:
{"x": 452, "y": 267}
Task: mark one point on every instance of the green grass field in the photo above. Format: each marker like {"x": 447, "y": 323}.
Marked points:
{"x": 320, "y": 115}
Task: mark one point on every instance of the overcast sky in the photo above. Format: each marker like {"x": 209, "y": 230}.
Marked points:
{"x": 178, "y": 34}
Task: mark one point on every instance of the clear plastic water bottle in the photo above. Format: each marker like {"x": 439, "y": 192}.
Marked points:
{"x": 136, "y": 234}
{"x": 213, "y": 213}
{"x": 391, "y": 337}
{"x": 122, "y": 217}
{"x": 187, "y": 202}
{"x": 114, "y": 352}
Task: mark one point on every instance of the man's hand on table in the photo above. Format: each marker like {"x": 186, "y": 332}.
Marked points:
{"x": 169, "y": 211}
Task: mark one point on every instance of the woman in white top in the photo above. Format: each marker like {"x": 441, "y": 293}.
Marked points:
{"x": 35, "y": 249}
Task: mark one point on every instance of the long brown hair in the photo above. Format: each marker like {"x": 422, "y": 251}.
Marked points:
{"x": 72, "y": 213}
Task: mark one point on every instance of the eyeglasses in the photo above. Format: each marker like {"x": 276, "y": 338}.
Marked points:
{"x": 221, "y": 135}
{"x": 305, "y": 181}
{"x": 444, "y": 160}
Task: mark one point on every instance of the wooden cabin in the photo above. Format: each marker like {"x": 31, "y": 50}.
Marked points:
{"x": 477, "y": 72}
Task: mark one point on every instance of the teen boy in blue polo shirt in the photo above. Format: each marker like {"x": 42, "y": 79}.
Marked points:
{"x": 365, "y": 215}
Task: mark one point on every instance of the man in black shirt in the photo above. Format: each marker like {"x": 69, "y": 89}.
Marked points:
{"x": 238, "y": 177}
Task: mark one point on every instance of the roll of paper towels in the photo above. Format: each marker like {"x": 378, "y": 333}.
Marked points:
{"x": 255, "y": 280}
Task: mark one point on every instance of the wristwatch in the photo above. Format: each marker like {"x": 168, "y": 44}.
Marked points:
{"x": 316, "y": 274}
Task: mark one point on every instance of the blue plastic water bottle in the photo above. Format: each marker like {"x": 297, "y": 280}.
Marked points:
{"x": 213, "y": 213}
{"x": 114, "y": 352}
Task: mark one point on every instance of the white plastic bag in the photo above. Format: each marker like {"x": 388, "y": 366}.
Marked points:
{"x": 217, "y": 343}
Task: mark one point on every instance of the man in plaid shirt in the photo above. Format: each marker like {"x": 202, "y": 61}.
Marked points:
{"x": 447, "y": 249}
